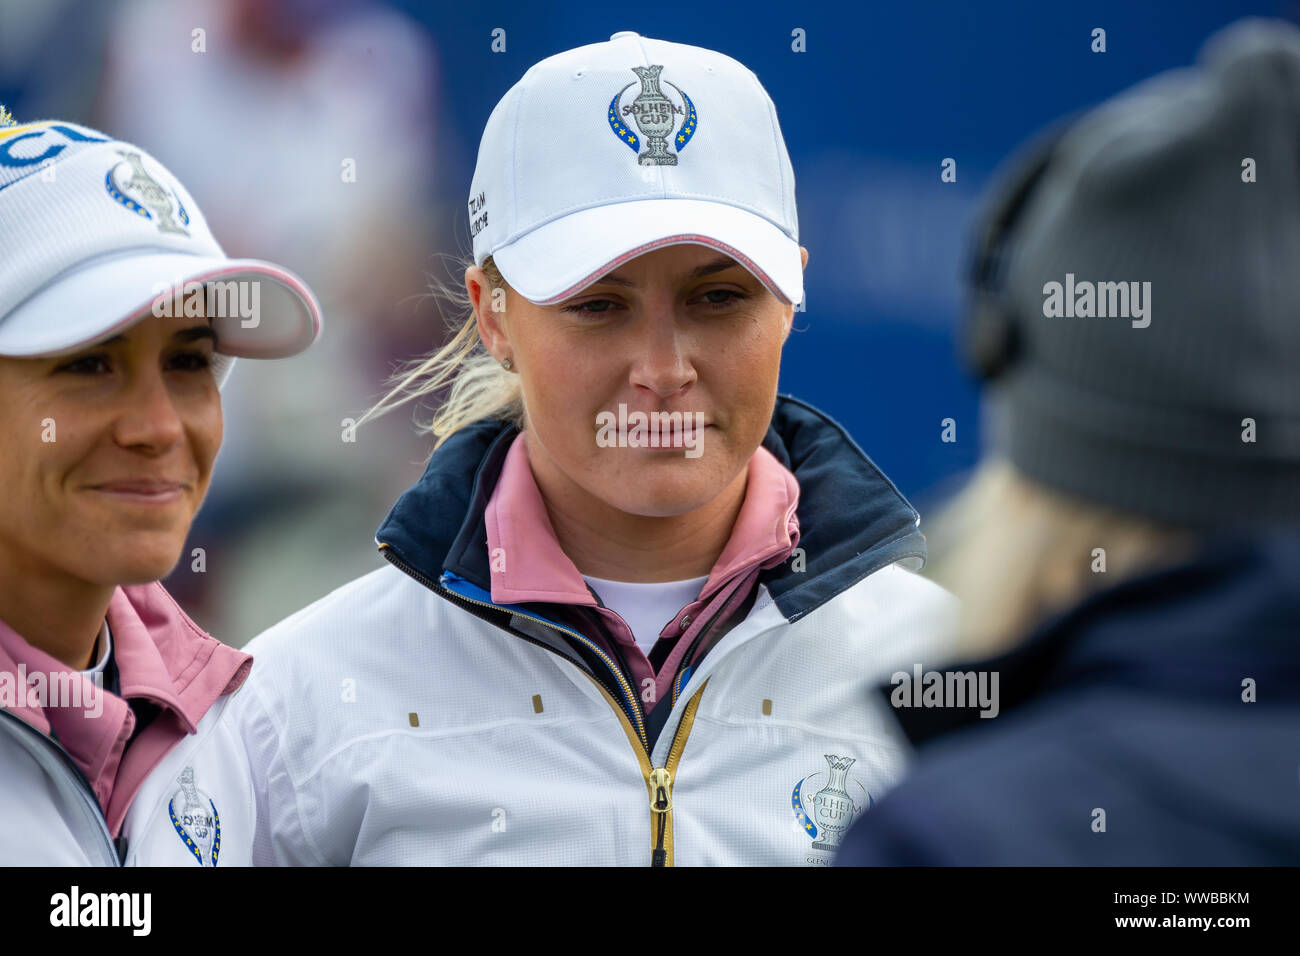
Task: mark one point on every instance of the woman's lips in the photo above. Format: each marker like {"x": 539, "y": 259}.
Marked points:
{"x": 667, "y": 438}
{"x": 148, "y": 492}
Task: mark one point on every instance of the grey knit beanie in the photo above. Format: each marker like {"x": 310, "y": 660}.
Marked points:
{"x": 1138, "y": 294}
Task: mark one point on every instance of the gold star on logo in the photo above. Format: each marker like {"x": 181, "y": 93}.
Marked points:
{"x": 7, "y": 118}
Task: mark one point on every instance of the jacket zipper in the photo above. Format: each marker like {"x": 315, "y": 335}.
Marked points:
{"x": 84, "y": 788}
{"x": 658, "y": 780}
{"x": 661, "y": 781}
{"x": 661, "y": 803}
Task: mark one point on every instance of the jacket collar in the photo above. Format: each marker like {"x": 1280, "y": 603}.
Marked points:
{"x": 162, "y": 657}
{"x": 764, "y": 533}
{"x": 852, "y": 519}
{"x": 160, "y": 654}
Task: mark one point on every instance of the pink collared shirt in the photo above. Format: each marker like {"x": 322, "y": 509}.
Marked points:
{"x": 161, "y": 656}
{"x": 765, "y": 533}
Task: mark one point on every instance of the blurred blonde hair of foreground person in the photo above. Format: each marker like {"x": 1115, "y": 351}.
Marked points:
{"x": 1128, "y": 551}
{"x": 1016, "y": 552}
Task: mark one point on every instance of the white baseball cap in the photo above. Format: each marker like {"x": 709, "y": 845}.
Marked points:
{"x": 95, "y": 235}
{"x": 604, "y": 152}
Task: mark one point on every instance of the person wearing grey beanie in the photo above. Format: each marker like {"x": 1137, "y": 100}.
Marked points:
{"x": 1137, "y": 510}
{"x": 1151, "y": 279}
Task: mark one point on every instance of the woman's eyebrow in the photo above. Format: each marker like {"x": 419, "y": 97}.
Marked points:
{"x": 194, "y": 333}
{"x": 716, "y": 265}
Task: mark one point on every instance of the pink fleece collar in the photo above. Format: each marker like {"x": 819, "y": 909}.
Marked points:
{"x": 161, "y": 656}
{"x": 765, "y": 533}
{"x": 166, "y": 657}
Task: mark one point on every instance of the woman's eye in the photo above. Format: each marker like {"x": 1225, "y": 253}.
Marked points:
{"x": 581, "y": 307}
{"x": 714, "y": 297}
{"x": 732, "y": 295}
{"x": 190, "y": 361}
{"x": 86, "y": 365}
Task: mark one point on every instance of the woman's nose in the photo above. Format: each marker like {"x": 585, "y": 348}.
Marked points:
{"x": 149, "y": 419}
{"x": 663, "y": 360}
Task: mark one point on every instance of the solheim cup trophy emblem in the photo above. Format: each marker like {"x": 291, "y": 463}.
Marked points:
{"x": 655, "y": 115}
{"x": 131, "y": 185}
{"x": 827, "y": 815}
{"x": 195, "y": 818}
{"x": 832, "y": 805}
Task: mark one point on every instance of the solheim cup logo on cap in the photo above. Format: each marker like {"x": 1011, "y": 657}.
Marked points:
{"x": 825, "y": 816}
{"x": 655, "y": 116}
{"x": 131, "y": 185}
{"x": 199, "y": 829}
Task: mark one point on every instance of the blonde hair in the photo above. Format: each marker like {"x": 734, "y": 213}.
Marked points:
{"x": 479, "y": 387}
{"x": 1016, "y": 552}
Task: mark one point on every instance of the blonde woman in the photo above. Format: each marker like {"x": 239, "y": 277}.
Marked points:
{"x": 1129, "y": 552}
{"x": 634, "y": 607}
{"x": 119, "y": 320}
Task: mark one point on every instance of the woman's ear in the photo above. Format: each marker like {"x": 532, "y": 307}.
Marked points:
{"x": 490, "y": 328}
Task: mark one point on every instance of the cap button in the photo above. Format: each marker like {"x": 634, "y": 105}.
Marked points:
{"x": 624, "y": 33}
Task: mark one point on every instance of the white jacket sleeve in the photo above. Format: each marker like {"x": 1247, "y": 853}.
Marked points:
{"x": 280, "y": 837}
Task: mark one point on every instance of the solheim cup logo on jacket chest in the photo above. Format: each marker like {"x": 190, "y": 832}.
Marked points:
{"x": 826, "y": 803}
{"x": 196, "y": 820}
{"x": 655, "y": 114}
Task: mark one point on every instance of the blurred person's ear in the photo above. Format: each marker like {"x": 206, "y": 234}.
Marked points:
{"x": 990, "y": 336}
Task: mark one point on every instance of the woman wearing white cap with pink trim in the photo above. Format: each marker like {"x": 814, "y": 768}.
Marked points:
{"x": 120, "y": 317}
{"x": 605, "y": 635}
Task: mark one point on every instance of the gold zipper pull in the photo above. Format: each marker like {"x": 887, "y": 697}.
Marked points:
{"x": 661, "y": 782}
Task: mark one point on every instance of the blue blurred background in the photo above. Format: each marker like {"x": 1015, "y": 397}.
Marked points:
{"x": 256, "y": 125}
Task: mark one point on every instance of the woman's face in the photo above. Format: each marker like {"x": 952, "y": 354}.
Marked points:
{"x": 683, "y": 328}
{"x": 107, "y": 453}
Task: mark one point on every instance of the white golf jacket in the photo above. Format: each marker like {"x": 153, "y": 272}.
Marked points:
{"x": 406, "y": 718}
{"x": 75, "y": 792}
